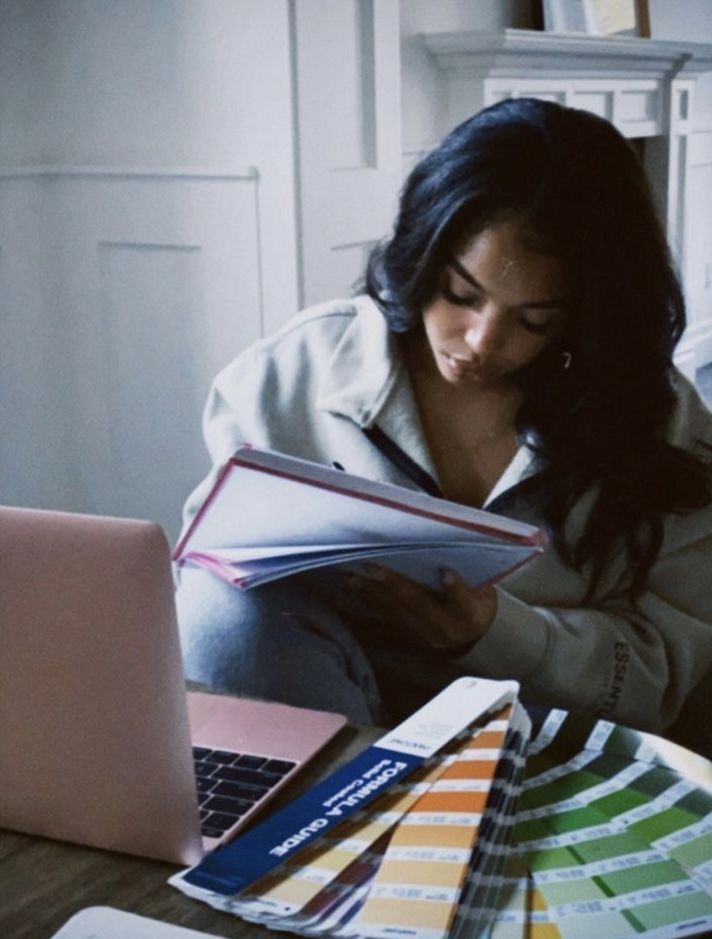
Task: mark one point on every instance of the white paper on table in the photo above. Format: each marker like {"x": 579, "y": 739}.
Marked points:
{"x": 105, "y": 922}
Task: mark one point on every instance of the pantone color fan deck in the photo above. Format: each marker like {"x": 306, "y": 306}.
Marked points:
{"x": 398, "y": 841}
{"x": 463, "y": 823}
{"x": 613, "y": 837}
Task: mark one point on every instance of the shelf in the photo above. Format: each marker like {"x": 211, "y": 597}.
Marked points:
{"x": 512, "y": 53}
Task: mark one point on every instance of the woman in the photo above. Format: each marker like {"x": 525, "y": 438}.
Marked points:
{"x": 512, "y": 351}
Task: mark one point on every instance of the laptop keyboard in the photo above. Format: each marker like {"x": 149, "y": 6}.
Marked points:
{"x": 229, "y": 784}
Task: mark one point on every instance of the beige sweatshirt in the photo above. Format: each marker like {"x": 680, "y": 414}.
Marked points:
{"x": 334, "y": 369}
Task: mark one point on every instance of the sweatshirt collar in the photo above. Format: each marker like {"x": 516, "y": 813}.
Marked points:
{"x": 364, "y": 368}
{"x": 366, "y": 381}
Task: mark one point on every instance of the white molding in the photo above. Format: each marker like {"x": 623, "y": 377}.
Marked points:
{"x": 250, "y": 173}
{"x": 508, "y": 52}
{"x": 684, "y": 359}
{"x": 186, "y": 174}
{"x": 695, "y": 348}
{"x": 147, "y": 245}
{"x": 701, "y": 148}
{"x": 413, "y": 155}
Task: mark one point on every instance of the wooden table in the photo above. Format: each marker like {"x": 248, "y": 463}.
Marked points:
{"x": 43, "y": 883}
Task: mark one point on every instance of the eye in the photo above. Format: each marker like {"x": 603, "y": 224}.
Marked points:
{"x": 539, "y": 329}
{"x": 533, "y": 322}
{"x": 468, "y": 297}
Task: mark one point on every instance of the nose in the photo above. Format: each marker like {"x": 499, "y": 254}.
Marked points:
{"x": 485, "y": 332}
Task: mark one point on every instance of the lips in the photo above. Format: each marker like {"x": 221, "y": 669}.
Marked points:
{"x": 461, "y": 364}
{"x": 460, "y": 360}
{"x": 465, "y": 367}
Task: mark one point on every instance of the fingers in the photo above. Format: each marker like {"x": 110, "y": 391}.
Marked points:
{"x": 478, "y": 605}
{"x": 389, "y": 594}
{"x": 451, "y": 618}
{"x": 401, "y": 606}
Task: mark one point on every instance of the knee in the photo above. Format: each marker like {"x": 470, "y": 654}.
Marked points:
{"x": 245, "y": 641}
{"x": 214, "y": 628}
{"x": 272, "y": 643}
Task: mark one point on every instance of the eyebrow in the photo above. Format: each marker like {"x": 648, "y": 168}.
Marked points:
{"x": 533, "y": 305}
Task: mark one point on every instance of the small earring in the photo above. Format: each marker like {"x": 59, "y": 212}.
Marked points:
{"x": 568, "y": 358}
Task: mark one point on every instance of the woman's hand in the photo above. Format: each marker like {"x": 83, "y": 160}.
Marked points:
{"x": 448, "y": 620}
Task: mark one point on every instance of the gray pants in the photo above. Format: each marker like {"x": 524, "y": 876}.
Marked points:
{"x": 286, "y": 642}
{"x": 280, "y": 642}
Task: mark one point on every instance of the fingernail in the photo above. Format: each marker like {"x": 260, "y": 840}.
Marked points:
{"x": 447, "y": 576}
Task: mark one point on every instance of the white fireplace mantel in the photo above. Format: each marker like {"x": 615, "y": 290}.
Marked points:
{"x": 621, "y": 78}
{"x": 510, "y": 51}
{"x": 643, "y": 86}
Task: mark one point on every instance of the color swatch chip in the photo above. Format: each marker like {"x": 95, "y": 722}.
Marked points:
{"x": 410, "y": 880}
{"x": 616, "y": 843}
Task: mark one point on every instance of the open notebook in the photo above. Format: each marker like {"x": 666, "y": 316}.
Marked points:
{"x": 270, "y": 515}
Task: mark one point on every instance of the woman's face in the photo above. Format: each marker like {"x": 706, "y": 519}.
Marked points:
{"x": 499, "y": 305}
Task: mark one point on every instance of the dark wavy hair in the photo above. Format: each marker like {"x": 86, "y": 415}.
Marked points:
{"x": 581, "y": 194}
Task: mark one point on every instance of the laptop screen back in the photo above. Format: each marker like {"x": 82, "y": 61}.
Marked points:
{"x": 93, "y": 723}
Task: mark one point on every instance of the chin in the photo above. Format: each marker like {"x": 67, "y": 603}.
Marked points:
{"x": 469, "y": 379}
{"x": 457, "y": 372}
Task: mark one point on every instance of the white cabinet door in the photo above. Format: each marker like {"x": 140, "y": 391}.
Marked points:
{"x": 349, "y": 138}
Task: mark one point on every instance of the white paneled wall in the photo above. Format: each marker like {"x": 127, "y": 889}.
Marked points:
{"x": 153, "y": 282}
{"x": 36, "y": 455}
{"x": 147, "y": 225}
{"x": 698, "y": 245}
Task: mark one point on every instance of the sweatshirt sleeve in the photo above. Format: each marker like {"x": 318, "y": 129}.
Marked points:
{"x": 231, "y": 417}
{"x": 632, "y": 663}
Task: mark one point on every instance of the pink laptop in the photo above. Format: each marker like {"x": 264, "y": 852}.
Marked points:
{"x": 100, "y": 743}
